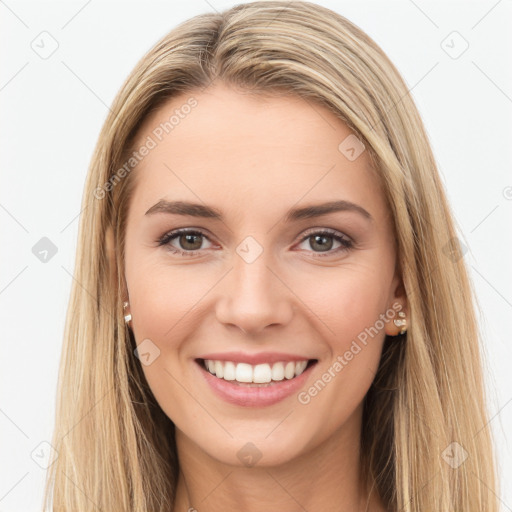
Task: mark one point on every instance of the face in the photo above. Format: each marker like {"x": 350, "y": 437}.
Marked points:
{"x": 255, "y": 275}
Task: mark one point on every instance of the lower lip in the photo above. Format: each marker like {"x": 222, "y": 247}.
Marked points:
{"x": 245, "y": 396}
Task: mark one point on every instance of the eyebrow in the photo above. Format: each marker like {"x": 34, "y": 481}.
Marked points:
{"x": 295, "y": 214}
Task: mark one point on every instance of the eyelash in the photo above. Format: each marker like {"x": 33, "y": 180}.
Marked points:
{"x": 345, "y": 242}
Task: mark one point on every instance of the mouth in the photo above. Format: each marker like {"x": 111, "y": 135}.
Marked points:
{"x": 258, "y": 375}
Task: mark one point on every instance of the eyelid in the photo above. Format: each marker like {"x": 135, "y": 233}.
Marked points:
{"x": 329, "y": 231}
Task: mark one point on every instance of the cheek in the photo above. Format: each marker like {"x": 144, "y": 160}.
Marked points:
{"x": 345, "y": 301}
{"x": 162, "y": 298}
{"x": 162, "y": 301}
{"x": 349, "y": 311}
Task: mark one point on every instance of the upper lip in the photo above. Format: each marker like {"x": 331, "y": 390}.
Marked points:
{"x": 253, "y": 359}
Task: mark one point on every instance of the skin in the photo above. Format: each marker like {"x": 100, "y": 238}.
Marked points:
{"x": 254, "y": 159}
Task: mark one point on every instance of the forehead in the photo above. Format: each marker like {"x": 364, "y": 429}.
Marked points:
{"x": 231, "y": 147}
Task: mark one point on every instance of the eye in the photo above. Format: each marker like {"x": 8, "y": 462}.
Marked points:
{"x": 323, "y": 241}
{"x": 189, "y": 241}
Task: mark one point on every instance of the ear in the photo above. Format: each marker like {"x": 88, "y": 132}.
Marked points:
{"x": 397, "y": 307}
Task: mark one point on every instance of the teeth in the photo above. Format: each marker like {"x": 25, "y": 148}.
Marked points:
{"x": 258, "y": 374}
{"x": 217, "y": 368}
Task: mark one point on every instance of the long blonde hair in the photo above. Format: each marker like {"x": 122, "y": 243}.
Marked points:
{"x": 116, "y": 447}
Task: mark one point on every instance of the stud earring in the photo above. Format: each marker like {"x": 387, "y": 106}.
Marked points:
{"x": 128, "y": 316}
{"x": 401, "y": 322}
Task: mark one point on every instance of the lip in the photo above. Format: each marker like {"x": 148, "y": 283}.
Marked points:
{"x": 253, "y": 359}
{"x": 245, "y": 396}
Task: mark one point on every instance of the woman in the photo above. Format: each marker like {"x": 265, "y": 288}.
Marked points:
{"x": 270, "y": 298}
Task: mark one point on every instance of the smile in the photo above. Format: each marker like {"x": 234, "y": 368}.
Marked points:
{"x": 264, "y": 373}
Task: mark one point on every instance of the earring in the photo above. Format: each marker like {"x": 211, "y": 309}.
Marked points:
{"x": 401, "y": 322}
{"x": 128, "y": 316}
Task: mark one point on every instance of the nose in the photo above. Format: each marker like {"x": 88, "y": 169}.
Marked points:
{"x": 254, "y": 297}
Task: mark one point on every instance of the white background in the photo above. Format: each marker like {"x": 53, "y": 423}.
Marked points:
{"x": 52, "y": 112}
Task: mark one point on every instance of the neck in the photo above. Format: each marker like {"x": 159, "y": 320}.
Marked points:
{"x": 322, "y": 478}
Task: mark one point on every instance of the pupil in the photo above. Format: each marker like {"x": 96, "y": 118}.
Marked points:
{"x": 316, "y": 238}
{"x": 189, "y": 238}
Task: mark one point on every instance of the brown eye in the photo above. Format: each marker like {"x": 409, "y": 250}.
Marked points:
{"x": 188, "y": 241}
{"x": 323, "y": 241}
